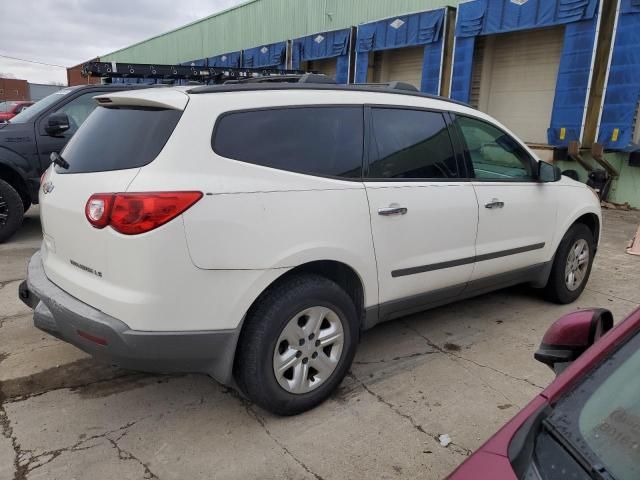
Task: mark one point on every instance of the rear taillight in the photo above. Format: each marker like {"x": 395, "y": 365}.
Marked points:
{"x": 135, "y": 213}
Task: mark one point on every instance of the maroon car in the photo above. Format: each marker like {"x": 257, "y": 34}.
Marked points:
{"x": 586, "y": 424}
{"x": 10, "y": 109}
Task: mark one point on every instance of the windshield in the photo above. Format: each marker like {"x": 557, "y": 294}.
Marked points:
{"x": 6, "y": 106}
{"x": 34, "y": 110}
{"x": 601, "y": 416}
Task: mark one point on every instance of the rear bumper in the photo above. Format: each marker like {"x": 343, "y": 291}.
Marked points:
{"x": 112, "y": 341}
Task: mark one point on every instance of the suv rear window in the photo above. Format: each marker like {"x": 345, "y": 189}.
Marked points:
{"x": 117, "y": 138}
{"x": 325, "y": 141}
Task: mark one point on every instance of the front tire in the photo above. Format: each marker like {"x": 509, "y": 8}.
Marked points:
{"x": 297, "y": 344}
{"x": 11, "y": 211}
{"x": 571, "y": 265}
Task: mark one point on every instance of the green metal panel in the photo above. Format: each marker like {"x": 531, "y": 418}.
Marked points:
{"x": 260, "y": 22}
{"x": 626, "y": 188}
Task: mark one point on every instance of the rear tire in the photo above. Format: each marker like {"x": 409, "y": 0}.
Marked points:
{"x": 571, "y": 265}
{"x": 283, "y": 341}
{"x": 11, "y": 210}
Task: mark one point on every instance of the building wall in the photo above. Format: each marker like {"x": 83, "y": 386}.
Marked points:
{"x": 13, "y": 89}
{"x": 260, "y": 22}
{"x": 37, "y": 91}
{"x": 626, "y": 188}
{"x": 74, "y": 75}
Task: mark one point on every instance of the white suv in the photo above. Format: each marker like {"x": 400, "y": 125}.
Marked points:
{"x": 253, "y": 231}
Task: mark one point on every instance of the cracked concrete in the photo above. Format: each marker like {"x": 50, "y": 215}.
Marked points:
{"x": 461, "y": 370}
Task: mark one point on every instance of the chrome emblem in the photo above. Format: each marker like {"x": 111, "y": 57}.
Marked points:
{"x": 47, "y": 187}
{"x": 519, "y": 2}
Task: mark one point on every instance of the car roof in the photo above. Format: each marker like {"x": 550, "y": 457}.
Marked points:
{"x": 110, "y": 86}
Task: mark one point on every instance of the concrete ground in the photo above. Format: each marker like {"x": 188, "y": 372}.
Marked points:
{"x": 461, "y": 370}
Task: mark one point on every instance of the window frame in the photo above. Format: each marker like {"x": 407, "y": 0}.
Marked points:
{"x": 40, "y": 120}
{"x": 467, "y": 156}
{"x": 370, "y": 150}
{"x": 360, "y": 106}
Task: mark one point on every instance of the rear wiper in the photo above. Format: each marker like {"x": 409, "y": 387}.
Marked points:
{"x": 57, "y": 159}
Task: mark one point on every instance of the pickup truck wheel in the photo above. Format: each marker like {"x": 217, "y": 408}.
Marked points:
{"x": 297, "y": 344}
{"x": 571, "y": 265}
{"x": 11, "y": 210}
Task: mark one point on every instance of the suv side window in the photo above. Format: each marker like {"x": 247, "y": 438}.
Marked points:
{"x": 325, "y": 141}
{"x": 493, "y": 154}
{"x": 79, "y": 109}
{"x": 410, "y": 144}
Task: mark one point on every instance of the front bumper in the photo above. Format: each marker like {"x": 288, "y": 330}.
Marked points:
{"x": 112, "y": 341}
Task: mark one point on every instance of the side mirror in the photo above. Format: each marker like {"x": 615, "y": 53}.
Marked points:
{"x": 57, "y": 123}
{"x": 548, "y": 173}
{"x": 571, "y": 335}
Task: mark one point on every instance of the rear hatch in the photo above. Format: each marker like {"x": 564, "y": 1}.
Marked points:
{"x": 120, "y": 137}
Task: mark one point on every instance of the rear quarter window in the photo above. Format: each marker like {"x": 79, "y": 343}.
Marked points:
{"x": 324, "y": 141}
{"x": 118, "y": 138}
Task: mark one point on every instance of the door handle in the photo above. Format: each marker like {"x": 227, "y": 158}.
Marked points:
{"x": 494, "y": 203}
{"x": 392, "y": 211}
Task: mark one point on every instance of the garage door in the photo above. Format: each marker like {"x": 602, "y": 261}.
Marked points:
{"x": 518, "y": 80}
{"x": 401, "y": 65}
{"x": 326, "y": 66}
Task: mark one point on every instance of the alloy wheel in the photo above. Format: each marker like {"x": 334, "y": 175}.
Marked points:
{"x": 308, "y": 350}
{"x": 4, "y": 211}
{"x": 577, "y": 264}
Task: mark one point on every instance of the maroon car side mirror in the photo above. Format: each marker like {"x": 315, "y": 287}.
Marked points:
{"x": 571, "y": 335}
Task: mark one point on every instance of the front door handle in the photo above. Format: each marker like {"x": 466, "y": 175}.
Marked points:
{"x": 392, "y": 211}
{"x": 494, "y": 203}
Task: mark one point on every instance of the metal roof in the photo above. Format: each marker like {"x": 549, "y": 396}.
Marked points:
{"x": 260, "y": 22}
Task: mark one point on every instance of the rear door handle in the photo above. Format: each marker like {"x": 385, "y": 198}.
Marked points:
{"x": 392, "y": 211}
{"x": 495, "y": 203}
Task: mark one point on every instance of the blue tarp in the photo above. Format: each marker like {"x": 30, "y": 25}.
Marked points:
{"x": 135, "y": 81}
{"x": 623, "y": 86}
{"x": 570, "y": 99}
{"x": 334, "y": 44}
{"x": 488, "y": 17}
{"x": 417, "y": 29}
{"x": 231, "y": 60}
{"x": 272, "y": 56}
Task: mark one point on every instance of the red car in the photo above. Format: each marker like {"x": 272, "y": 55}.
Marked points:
{"x": 10, "y": 109}
{"x": 586, "y": 424}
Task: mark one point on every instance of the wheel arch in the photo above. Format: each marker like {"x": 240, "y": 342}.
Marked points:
{"x": 15, "y": 179}
{"x": 591, "y": 221}
{"x": 339, "y": 272}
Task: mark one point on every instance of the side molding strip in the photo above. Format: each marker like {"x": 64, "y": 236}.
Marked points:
{"x": 465, "y": 261}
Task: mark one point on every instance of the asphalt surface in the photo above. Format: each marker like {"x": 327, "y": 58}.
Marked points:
{"x": 461, "y": 370}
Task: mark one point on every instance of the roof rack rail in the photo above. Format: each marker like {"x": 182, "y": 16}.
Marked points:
{"x": 166, "y": 73}
{"x": 391, "y": 85}
{"x": 354, "y": 87}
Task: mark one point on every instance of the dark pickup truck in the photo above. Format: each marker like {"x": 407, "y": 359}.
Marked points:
{"x": 27, "y": 141}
